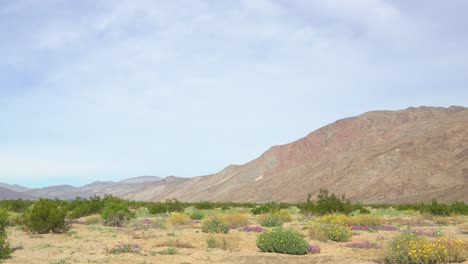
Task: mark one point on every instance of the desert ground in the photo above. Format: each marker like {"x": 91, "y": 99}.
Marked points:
{"x": 156, "y": 241}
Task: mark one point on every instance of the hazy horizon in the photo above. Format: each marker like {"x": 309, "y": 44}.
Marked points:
{"x": 106, "y": 90}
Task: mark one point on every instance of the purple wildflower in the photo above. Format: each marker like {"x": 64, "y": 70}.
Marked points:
{"x": 253, "y": 228}
{"x": 365, "y": 244}
{"x": 313, "y": 249}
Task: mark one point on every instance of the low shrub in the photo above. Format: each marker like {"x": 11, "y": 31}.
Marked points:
{"x": 142, "y": 212}
{"x": 197, "y": 215}
{"x": 410, "y": 248}
{"x": 229, "y": 242}
{"x": 235, "y": 220}
{"x": 332, "y": 231}
{"x": 169, "y": 251}
{"x": 178, "y": 219}
{"x": 16, "y": 219}
{"x": 5, "y": 250}
{"x": 282, "y": 241}
{"x": 123, "y": 248}
{"x": 269, "y": 207}
{"x": 270, "y": 220}
{"x": 46, "y": 216}
{"x": 116, "y": 214}
{"x": 317, "y": 233}
{"x": 172, "y": 242}
{"x": 215, "y": 224}
{"x": 284, "y": 215}
{"x": 313, "y": 249}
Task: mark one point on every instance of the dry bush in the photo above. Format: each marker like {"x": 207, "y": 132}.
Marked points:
{"x": 236, "y": 220}
{"x": 172, "y": 242}
{"x": 141, "y": 235}
{"x": 317, "y": 233}
{"x": 230, "y": 242}
{"x": 285, "y": 215}
{"x": 178, "y": 219}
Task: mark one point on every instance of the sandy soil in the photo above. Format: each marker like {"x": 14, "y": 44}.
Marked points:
{"x": 87, "y": 243}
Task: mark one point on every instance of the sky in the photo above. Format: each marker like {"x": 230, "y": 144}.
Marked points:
{"x": 107, "y": 90}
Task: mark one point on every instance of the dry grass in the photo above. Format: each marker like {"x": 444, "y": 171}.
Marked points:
{"x": 230, "y": 242}
{"x": 464, "y": 228}
{"x": 316, "y": 233}
{"x": 236, "y": 220}
{"x": 142, "y": 235}
{"x": 173, "y": 242}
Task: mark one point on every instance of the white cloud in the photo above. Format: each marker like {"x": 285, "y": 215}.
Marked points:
{"x": 185, "y": 88}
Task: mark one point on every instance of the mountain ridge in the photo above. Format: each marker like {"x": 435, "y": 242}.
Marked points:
{"x": 378, "y": 156}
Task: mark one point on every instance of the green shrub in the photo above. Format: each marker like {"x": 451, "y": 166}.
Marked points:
{"x": 197, "y": 215}
{"x": 116, "y": 214}
{"x": 215, "y": 224}
{"x": 46, "y": 216}
{"x": 270, "y": 220}
{"x": 16, "y": 219}
{"x": 142, "y": 212}
{"x": 283, "y": 241}
{"x": 269, "y": 207}
{"x": 5, "y": 250}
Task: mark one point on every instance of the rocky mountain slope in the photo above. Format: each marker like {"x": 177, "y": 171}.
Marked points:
{"x": 382, "y": 156}
{"x": 409, "y": 155}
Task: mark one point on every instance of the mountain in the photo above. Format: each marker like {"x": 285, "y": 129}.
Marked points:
{"x": 6, "y": 193}
{"x": 100, "y": 188}
{"x": 14, "y": 187}
{"x": 142, "y": 179}
{"x": 410, "y": 155}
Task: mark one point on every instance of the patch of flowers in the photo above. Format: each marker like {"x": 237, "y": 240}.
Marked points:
{"x": 123, "y": 248}
{"x": 283, "y": 241}
{"x": 253, "y": 229}
{"x": 313, "y": 249}
{"x": 365, "y": 244}
{"x": 430, "y": 233}
{"x": 332, "y": 231}
{"x": 411, "y": 248}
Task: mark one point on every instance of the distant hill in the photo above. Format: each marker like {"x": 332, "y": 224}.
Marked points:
{"x": 100, "y": 188}
{"x": 411, "y": 155}
{"x": 10, "y": 194}
{"x": 14, "y": 187}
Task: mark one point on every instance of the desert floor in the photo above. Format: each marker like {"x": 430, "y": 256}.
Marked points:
{"x": 87, "y": 243}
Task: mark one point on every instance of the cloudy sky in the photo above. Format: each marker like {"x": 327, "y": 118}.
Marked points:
{"x": 106, "y": 90}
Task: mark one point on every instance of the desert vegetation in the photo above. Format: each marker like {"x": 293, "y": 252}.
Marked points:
{"x": 329, "y": 229}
